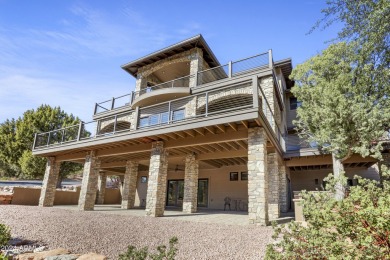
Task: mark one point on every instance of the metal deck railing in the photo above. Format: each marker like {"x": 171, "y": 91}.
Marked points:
{"x": 219, "y": 101}
{"x": 232, "y": 69}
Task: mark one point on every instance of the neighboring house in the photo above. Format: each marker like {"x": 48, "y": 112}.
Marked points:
{"x": 193, "y": 134}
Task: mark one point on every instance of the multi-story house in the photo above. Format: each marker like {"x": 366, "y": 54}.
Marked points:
{"x": 193, "y": 134}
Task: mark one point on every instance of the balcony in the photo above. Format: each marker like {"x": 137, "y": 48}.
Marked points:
{"x": 224, "y": 103}
{"x": 181, "y": 87}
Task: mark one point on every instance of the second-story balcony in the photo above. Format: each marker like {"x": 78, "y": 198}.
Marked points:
{"x": 181, "y": 87}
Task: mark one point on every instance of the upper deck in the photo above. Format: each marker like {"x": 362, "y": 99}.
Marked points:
{"x": 228, "y": 96}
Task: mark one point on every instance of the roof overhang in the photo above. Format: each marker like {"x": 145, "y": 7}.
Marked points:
{"x": 196, "y": 41}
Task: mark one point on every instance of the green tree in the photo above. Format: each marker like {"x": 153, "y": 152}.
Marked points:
{"x": 345, "y": 89}
{"x": 17, "y": 137}
{"x": 357, "y": 227}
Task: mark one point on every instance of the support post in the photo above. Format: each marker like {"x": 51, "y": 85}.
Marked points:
{"x": 89, "y": 183}
{"x": 129, "y": 185}
{"x": 190, "y": 200}
{"x": 255, "y": 91}
{"x": 102, "y": 181}
{"x": 257, "y": 177}
{"x": 230, "y": 69}
{"x": 157, "y": 183}
{"x": 49, "y": 184}
{"x": 273, "y": 191}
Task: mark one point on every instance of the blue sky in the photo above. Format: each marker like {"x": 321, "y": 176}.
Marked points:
{"x": 69, "y": 53}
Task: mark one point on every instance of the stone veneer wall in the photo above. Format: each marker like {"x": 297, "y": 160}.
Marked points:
{"x": 267, "y": 85}
{"x": 273, "y": 191}
{"x": 283, "y": 188}
{"x": 49, "y": 183}
{"x": 157, "y": 183}
{"x": 257, "y": 176}
{"x": 190, "y": 184}
{"x": 193, "y": 56}
{"x": 129, "y": 185}
{"x": 89, "y": 183}
{"x": 106, "y": 122}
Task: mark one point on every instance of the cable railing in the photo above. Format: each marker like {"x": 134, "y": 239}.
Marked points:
{"x": 115, "y": 102}
{"x": 229, "y": 70}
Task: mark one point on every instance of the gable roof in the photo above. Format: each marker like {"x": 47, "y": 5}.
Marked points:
{"x": 196, "y": 41}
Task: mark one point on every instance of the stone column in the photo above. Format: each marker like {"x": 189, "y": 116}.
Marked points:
{"x": 89, "y": 184}
{"x": 273, "y": 191}
{"x": 283, "y": 188}
{"x": 102, "y": 181}
{"x": 190, "y": 200}
{"x": 196, "y": 64}
{"x": 49, "y": 184}
{"x": 257, "y": 176}
{"x": 157, "y": 183}
{"x": 267, "y": 85}
{"x": 129, "y": 185}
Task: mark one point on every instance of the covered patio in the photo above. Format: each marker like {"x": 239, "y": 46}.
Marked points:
{"x": 229, "y": 217}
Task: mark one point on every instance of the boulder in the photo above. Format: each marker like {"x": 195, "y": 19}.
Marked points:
{"x": 42, "y": 255}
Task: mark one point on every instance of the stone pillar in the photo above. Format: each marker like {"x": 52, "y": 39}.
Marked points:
{"x": 273, "y": 191}
{"x": 140, "y": 82}
{"x": 190, "y": 200}
{"x": 49, "y": 184}
{"x": 157, "y": 183}
{"x": 89, "y": 184}
{"x": 283, "y": 188}
{"x": 257, "y": 176}
{"x": 129, "y": 185}
{"x": 102, "y": 181}
{"x": 267, "y": 85}
{"x": 196, "y": 64}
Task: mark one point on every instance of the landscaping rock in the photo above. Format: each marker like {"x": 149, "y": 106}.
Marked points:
{"x": 43, "y": 255}
{"x": 62, "y": 257}
{"x": 40, "y": 249}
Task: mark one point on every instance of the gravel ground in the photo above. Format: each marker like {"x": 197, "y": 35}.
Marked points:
{"x": 110, "y": 234}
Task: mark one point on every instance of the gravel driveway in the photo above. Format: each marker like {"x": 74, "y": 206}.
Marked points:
{"x": 110, "y": 234}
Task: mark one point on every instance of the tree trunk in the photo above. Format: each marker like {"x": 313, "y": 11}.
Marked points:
{"x": 338, "y": 172}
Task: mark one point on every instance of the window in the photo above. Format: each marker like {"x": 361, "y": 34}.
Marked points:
{"x": 144, "y": 179}
{"x": 143, "y": 121}
{"x": 178, "y": 115}
{"x": 234, "y": 176}
{"x": 294, "y": 103}
{"x": 244, "y": 176}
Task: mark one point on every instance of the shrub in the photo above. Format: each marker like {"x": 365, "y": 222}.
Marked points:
{"x": 357, "y": 227}
{"x": 162, "y": 252}
{"x": 5, "y": 235}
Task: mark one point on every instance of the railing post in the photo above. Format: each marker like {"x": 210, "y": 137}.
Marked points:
{"x": 255, "y": 92}
{"x": 230, "y": 69}
{"x": 48, "y": 139}
{"x": 112, "y": 103}
{"x": 207, "y": 103}
{"x": 169, "y": 112}
{"x": 80, "y": 130}
{"x": 63, "y": 135}
{"x": 136, "y": 116}
{"x": 132, "y": 98}
{"x": 35, "y": 141}
{"x": 270, "y": 59}
{"x": 96, "y": 106}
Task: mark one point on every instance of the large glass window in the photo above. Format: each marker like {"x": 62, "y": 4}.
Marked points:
{"x": 178, "y": 115}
